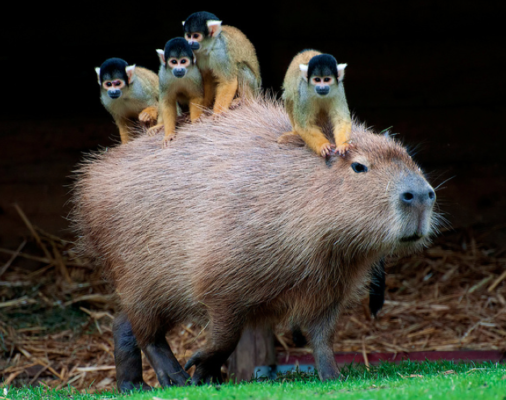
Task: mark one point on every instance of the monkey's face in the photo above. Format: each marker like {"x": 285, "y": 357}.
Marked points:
{"x": 322, "y": 84}
{"x": 194, "y": 39}
{"x": 179, "y": 66}
{"x": 114, "y": 87}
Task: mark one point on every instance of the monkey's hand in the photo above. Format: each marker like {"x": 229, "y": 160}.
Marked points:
{"x": 167, "y": 140}
{"x": 149, "y": 115}
{"x": 153, "y": 131}
{"x": 326, "y": 149}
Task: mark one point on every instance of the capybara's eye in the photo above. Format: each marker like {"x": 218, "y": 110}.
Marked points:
{"x": 358, "y": 168}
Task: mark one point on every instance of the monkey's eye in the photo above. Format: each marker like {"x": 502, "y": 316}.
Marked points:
{"x": 173, "y": 61}
{"x": 326, "y": 79}
{"x": 196, "y": 35}
{"x": 183, "y": 61}
{"x": 108, "y": 84}
{"x": 358, "y": 168}
{"x": 117, "y": 83}
{"x": 317, "y": 79}
{"x": 189, "y": 35}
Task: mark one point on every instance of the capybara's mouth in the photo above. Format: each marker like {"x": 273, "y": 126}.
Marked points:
{"x": 412, "y": 238}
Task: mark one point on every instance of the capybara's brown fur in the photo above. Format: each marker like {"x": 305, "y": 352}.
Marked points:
{"x": 228, "y": 226}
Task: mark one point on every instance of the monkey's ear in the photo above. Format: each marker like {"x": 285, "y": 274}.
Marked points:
{"x": 161, "y": 56}
{"x": 97, "y": 70}
{"x": 214, "y": 28}
{"x": 130, "y": 73}
{"x": 303, "y": 71}
{"x": 183, "y": 22}
{"x": 340, "y": 71}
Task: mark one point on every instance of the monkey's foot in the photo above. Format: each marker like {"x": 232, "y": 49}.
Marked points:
{"x": 153, "y": 131}
{"x": 343, "y": 148}
{"x": 167, "y": 140}
{"x": 207, "y": 370}
{"x": 217, "y": 115}
{"x": 149, "y": 115}
{"x": 290, "y": 138}
{"x": 128, "y": 386}
{"x": 237, "y": 102}
{"x": 326, "y": 149}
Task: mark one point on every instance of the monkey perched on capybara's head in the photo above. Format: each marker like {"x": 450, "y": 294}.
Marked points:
{"x": 227, "y": 227}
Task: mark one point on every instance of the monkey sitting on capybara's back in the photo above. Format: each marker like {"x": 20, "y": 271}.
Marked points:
{"x": 226, "y": 227}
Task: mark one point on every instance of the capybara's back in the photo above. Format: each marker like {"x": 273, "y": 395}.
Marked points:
{"x": 228, "y": 226}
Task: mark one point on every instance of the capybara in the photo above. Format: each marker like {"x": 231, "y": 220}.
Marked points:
{"x": 226, "y": 227}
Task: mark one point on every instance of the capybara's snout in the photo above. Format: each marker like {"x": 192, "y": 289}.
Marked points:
{"x": 416, "y": 193}
{"x": 415, "y": 201}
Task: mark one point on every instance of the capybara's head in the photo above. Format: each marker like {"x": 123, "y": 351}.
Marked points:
{"x": 386, "y": 191}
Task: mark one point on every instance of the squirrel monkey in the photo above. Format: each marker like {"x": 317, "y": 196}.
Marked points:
{"x": 180, "y": 84}
{"x": 129, "y": 93}
{"x": 314, "y": 95}
{"x": 226, "y": 58}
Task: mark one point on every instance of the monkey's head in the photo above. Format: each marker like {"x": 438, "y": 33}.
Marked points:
{"x": 200, "y": 29}
{"x": 323, "y": 73}
{"x": 114, "y": 76}
{"x": 177, "y": 56}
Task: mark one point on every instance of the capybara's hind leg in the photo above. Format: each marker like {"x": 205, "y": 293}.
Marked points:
{"x": 127, "y": 356}
{"x": 225, "y": 335}
{"x": 168, "y": 370}
{"x": 321, "y": 333}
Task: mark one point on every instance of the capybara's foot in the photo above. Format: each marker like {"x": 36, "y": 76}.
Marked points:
{"x": 207, "y": 371}
{"x": 327, "y": 374}
{"x": 149, "y": 115}
{"x": 326, "y": 149}
{"x": 155, "y": 130}
{"x": 167, "y": 368}
{"x": 167, "y": 140}
{"x": 129, "y": 386}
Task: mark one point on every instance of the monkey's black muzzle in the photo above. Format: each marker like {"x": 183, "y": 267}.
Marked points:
{"x": 195, "y": 45}
{"x": 179, "y": 72}
{"x": 114, "y": 94}
{"x": 322, "y": 90}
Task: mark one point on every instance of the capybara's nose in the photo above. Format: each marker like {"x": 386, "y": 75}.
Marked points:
{"x": 416, "y": 192}
{"x": 424, "y": 197}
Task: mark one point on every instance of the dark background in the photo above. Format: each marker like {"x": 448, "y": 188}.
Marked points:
{"x": 433, "y": 70}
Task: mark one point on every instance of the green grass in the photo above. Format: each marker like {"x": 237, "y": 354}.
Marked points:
{"x": 409, "y": 380}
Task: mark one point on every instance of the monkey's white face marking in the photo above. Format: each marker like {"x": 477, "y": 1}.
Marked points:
{"x": 194, "y": 39}
{"x": 114, "y": 84}
{"x": 114, "y": 88}
{"x": 322, "y": 84}
{"x": 179, "y": 65}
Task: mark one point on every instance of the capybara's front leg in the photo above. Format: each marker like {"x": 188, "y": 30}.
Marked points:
{"x": 127, "y": 356}
{"x": 321, "y": 333}
{"x": 225, "y": 334}
{"x": 162, "y": 359}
